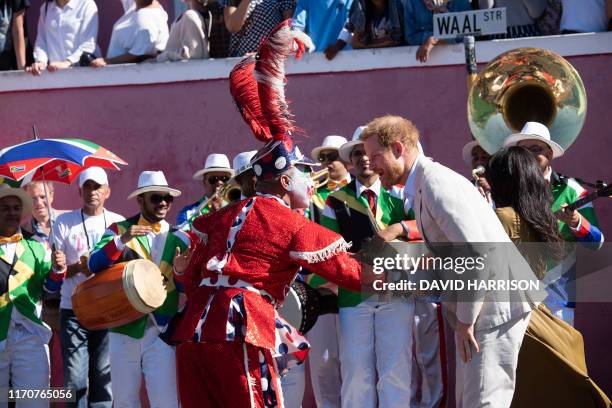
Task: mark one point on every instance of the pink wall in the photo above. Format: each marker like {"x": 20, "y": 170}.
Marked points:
{"x": 173, "y": 127}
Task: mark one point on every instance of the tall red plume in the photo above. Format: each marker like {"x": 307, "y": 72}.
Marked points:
{"x": 258, "y": 84}
{"x": 244, "y": 90}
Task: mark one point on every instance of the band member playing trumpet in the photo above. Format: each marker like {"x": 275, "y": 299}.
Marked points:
{"x": 375, "y": 337}
{"x": 75, "y": 233}
{"x": 250, "y": 252}
{"x": 216, "y": 173}
{"x": 327, "y": 155}
{"x": 25, "y": 271}
{"x": 135, "y": 348}
{"x": 576, "y": 226}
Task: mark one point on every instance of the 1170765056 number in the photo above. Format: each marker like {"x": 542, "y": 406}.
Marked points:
{"x": 54, "y": 394}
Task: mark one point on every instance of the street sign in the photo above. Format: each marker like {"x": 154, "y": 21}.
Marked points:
{"x": 477, "y": 22}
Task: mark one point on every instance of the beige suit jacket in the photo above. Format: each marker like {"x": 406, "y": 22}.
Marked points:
{"x": 449, "y": 209}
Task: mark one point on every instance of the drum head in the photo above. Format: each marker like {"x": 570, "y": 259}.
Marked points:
{"x": 291, "y": 310}
{"x": 144, "y": 285}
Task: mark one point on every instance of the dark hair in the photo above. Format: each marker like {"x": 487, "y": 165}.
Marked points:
{"x": 517, "y": 181}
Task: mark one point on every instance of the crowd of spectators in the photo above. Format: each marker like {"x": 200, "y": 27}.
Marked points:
{"x": 68, "y": 29}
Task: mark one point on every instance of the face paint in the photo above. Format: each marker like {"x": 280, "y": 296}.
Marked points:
{"x": 300, "y": 189}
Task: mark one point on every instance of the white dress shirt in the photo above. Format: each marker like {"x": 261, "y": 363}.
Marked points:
{"x": 9, "y": 249}
{"x": 65, "y": 33}
{"x": 375, "y": 188}
{"x": 139, "y": 32}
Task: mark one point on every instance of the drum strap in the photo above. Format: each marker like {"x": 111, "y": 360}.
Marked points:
{"x": 222, "y": 281}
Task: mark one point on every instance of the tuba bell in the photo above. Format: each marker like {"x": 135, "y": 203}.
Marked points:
{"x": 522, "y": 85}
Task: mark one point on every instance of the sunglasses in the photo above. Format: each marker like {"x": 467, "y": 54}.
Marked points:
{"x": 215, "y": 179}
{"x": 327, "y": 157}
{"x": 158, "y": 198}
{"x": 536, "y": 149}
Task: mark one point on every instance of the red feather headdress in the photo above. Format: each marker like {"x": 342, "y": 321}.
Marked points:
{"x": 257, "y": 83}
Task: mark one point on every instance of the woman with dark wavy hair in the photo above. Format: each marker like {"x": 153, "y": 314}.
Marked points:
{"x": 523, "y": 200}
{"x": 552, "y": 351}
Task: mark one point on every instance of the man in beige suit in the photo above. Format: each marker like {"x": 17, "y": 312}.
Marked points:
{"x": 448, "y": 209}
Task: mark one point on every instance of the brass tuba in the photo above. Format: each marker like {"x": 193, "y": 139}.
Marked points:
{"x": 522, "y": 85}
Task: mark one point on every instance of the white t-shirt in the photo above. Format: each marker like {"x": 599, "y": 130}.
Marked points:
{"x": 65, "y": 33}
{"x": 139, "y": 32}
{"x": 69, "y": 237}
{"x": 584, "y": 16}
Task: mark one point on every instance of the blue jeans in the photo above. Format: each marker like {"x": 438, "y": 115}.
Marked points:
{"x": 85, "y": 355}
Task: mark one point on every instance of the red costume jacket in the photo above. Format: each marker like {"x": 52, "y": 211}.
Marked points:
{"x": 255, "y": 248}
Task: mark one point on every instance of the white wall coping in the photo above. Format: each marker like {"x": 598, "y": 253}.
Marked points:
{"x": 346, "y": 61}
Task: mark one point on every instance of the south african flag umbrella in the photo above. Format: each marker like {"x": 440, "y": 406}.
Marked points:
{"x": 54, "y": 160}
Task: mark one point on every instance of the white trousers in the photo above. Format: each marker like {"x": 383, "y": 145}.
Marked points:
{"x": 131, "y": 358}
{"x": 376, "y": 354}
{"x": 24, "y": 362}
{"x": 427, "y": 385}
{"x": 488, "y": 380}
{"x": 293, "y": 384}
{"x": 324, "y": 361}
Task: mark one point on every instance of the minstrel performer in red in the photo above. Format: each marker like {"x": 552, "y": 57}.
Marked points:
{"x": 250, "y": 252}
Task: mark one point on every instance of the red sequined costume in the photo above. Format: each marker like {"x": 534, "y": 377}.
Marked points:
{"x": 247, "y": 256}
{"x": 271, "y": 244}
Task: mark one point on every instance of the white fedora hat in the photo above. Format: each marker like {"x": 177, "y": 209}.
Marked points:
{"x": 345, "y": 150}
{"x": 466, "y": 152}
{"x": 242, "y": 162}
{"x": 214, "y": 162}
{"x": 26, "y": 200}
{"x": 332, "y": 142}
{"x": 153, "y": 181}
{"x": 535, "y": 131}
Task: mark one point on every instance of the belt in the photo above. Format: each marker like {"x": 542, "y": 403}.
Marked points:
{"x": 224, "y": 281}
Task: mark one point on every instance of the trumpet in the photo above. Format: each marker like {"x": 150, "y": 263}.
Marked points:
{"x": 319, "y": 178}
{"x": 230, "y": 192}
